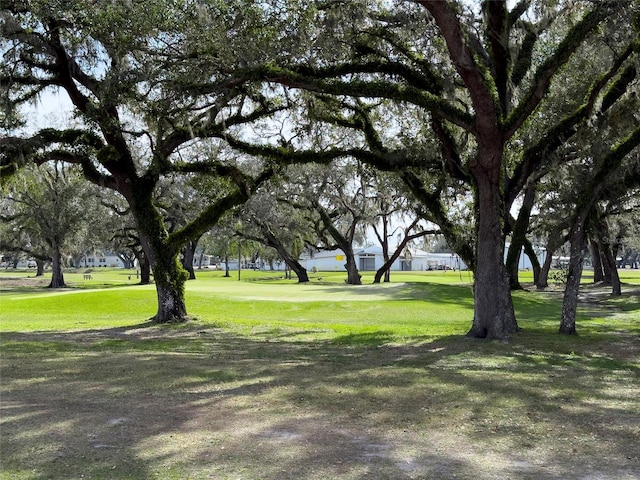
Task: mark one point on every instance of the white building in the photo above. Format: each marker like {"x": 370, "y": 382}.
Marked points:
{"x": 370, "y": 259}
{"x": 525, "y": 262}
{"x": 101, "y": 259}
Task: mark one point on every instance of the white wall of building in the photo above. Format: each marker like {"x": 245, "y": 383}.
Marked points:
{"x": 370, "y": 259}
{"x": 98, "y": 260}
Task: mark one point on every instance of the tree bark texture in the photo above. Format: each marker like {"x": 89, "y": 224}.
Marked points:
{"x": 519, "y": 237}
{"x": 145, "y": 269}
{"x": 614, "y": 277}
{"x": 291, "y": 262}
{"x": 543, "y": 279}
{"x": 353, "y": 275}
{"x": 607, "y": 256}
{"x": 572, "y": 287}
{"x": 596, "y": 260}
{"x": 188, "y": 254}
{"x": 494, "y": 316}
{"x": 170, "y": 278}
{"x": 169, "y": 275}
{"x": 57, "y": 278}
{"x": 39, "y": 267}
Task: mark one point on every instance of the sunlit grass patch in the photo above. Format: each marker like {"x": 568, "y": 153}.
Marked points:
{"x": 68, "y": 309}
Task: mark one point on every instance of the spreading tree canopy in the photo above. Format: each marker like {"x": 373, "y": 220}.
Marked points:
{"x": 123, "y": 66}
{"x": 467, "y": 102}
{"x": 450, "y": 94}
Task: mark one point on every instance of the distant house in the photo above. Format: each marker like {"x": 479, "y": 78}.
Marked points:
{"x": 371, "y": 259}
{"x": 101, "y": 259}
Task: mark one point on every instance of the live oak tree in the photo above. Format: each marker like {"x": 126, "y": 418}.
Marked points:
{"x": 625, "y": 230}
{"x": 597, "y": 161}
{"x": 392, "y": 214}
{"x": 612, "y": 175}
{"x": 333, "y": 199}
{"x": 124, "y": 67}
{"x": 596, "y": 176}
{"x": 603, "y": 249}
{"x": 463, "y": 85}
{"x": 55, "y": 207}
{"x": 16, "y": 242}
{"x": 124, "y": 240}
{"x": 471, "y": 82}
{"x": 592, "y": 114}
{"x": 279, "y": 226}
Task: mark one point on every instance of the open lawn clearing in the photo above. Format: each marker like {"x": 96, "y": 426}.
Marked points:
{"x": 317, "y": 389}
{"x": 199, "y": 402}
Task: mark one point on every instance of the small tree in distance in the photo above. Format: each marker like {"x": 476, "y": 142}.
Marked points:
{"x": 56, "y": 207}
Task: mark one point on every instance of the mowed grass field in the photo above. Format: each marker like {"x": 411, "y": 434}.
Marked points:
{"x": 275, "y": 380}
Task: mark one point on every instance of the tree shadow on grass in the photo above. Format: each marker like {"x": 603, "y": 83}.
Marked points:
{"x": 540, "y": 312}
{"x": 200, "y": 402}
{"x": 430, "y": 292}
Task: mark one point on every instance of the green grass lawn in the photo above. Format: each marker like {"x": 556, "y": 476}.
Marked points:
{"x": 415, "y": 305}
{"x": 277, "y": 380}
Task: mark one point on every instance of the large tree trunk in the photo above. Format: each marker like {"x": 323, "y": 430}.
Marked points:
{"x": 494, "y": 316}
{"x": 297, "y": 268}
{"x": 169, "y": 275}
{"x": 614, "y": 277}
{"x": 533, "y": 258}
{"x": 543, "y": 279}
{"x": 596, "y": 260}
{"x": 145, "y": 267}
{"x": 57, "y": 279}
{"x": 519, "y": 237}
{"x": 292, "y": 263}
{"x": 574, "y": 274}
{"x": 145, "y": 270}
{"x": 170, "y": 280}
{"x": 171, "y": 305}
{"x": 39, "y": 267}
{"x": 353, "y": 275}
{"x": 608, "y": 257}
{"x": 188, "y": 254}
{"x": 513, "y": 265}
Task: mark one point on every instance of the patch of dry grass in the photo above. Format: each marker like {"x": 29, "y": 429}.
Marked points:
{"x": 199, "y": 402}
{"x": 261, "y": 389}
